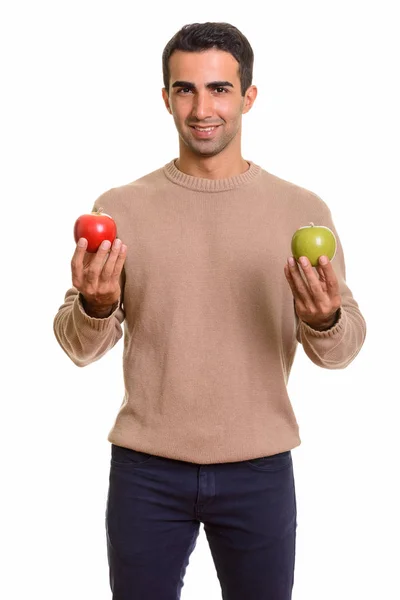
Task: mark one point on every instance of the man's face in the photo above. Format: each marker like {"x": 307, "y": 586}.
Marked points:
{"x": 205, "y": 100}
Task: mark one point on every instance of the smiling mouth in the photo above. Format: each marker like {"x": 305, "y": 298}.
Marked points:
{"x": 208, "y": 128}
{"x": 204, "y": 133}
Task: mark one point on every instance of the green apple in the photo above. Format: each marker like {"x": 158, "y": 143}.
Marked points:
{"x": 314, "y": 241}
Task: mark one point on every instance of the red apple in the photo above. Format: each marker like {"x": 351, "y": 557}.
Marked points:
{"x": 95, "y": 227}
{"x": 314, "y": 241}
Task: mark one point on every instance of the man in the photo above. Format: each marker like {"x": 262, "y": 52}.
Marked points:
{"x": 212, "y": 311}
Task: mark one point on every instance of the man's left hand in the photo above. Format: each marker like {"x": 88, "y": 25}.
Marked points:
{"x": 316, "y": 296}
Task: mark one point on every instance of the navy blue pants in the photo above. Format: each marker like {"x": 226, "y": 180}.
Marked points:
{"x": 154, "y": 509}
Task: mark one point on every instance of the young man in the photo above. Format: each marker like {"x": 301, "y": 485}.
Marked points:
{"x": 213, "y": 311}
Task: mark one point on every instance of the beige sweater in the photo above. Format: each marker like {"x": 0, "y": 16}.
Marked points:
{"x": 209, "y": 327}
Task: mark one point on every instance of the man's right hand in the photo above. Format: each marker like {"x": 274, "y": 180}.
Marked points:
{"x": 96, "y": 276}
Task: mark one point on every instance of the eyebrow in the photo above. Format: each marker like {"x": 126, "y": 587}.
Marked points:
{"x": 212, "y": 84}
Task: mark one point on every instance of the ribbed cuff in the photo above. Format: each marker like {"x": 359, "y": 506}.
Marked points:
{"x": 333, "y": 331}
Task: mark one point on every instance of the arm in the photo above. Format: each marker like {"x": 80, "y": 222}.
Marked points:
{"x": 84, "y": 338}
{"x": 88, "y": 324}
{"x": 334, "y": 348}
{"x": 330, "y": 325}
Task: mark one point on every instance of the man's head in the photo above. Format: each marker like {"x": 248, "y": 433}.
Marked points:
{"x": 198, "y": 37}
{"x": 207, "y": 88}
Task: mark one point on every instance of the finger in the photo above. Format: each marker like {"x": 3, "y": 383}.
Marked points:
{"x": 328, "y": 275}
{"x": 290, "y": 280}
{"x": 77, "y": 261}
{"x": 109, "y": 265}
{"x": 120, "y": 262}
{"x": 313, "y": 281}
{"x": 299, "y": 305}
{"x": 300, "y": 287}
{"x": 96, "y": 266}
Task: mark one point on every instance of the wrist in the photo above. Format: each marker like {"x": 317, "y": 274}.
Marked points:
{"x": 327, "y": 324}
{"x": 97, "y": 311}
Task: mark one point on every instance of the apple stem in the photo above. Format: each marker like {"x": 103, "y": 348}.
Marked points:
{"x": 312, "y": 224}
{"x": 99, "y": 210}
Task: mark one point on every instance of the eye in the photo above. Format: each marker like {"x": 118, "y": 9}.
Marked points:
{"x": 184, "y": 90}
{"x": 221, "y": 90}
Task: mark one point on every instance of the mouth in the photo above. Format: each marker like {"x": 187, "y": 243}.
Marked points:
{"x": 204, "y": 132}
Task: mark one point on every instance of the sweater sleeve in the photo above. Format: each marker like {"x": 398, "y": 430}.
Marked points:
{"x": 85, "y": 339}
{"x": 336, "y": 347}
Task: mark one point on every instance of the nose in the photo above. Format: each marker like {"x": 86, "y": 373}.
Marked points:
{"x": 202, "y": 105}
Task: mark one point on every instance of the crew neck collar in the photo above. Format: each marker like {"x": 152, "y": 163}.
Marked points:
{"x": 202, "y": 184}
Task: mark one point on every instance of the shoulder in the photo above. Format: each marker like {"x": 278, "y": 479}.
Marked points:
{"x": 293, "y": 193}
{"x": 140, "y": 189}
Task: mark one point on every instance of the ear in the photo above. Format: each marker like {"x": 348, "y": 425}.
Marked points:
{"x": 166, "y": 100}
{"x": 249, "y": 98}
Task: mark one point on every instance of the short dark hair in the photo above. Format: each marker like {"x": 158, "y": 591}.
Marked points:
{"x": 198, "y": 37}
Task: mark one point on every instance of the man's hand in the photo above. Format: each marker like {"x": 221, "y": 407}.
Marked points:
{"x": 96, "y": 276}
{"x": 317, "y": 298}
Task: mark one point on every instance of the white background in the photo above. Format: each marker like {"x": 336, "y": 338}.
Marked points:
{"x": 81, "y": 112}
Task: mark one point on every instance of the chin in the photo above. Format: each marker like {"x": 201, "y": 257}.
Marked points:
{"x": 207, "y": 152}
{"x": 207, "y": 149}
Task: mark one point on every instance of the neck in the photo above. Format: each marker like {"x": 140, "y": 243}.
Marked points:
{"x": 211, "y": 167}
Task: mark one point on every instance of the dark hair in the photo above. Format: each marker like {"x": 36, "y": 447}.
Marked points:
{"x": 198, "y": 37}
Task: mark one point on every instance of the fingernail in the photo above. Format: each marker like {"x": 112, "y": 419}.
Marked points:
{"x": 81, "y": 242}
{"x": 323, "y": 260}
{"x": 303, "y": 261}
{"x": 117, "y": 243}
{"x": 291, "y": 261}
{"x": 105, "y": 245}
